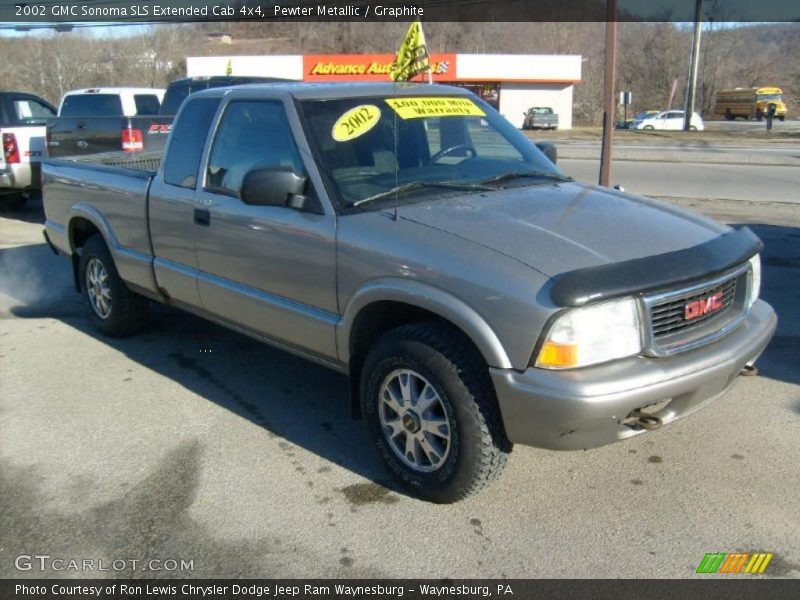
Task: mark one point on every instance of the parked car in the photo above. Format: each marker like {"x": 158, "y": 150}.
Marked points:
{"x": 638, "y": 118}
{"x": 106, "y": 120}
{"x": 22, "y": 128}
{"x": 540, "y": 117}
{"x": 475, "y": 295}
{"x": 180, "y": 88}
{"x": 670, "y": 120}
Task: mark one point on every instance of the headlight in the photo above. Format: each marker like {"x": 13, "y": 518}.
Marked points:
{"x": 591, "y": 335}
{"x": 755, "y": 279}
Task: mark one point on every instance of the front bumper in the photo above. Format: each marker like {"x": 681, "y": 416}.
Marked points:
{"x": 585, "y": 408}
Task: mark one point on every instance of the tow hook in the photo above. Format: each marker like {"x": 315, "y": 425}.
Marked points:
{"x": 639, "y": 420}
{"x": 649, "y": 422}
{"x": 749, "y": 371}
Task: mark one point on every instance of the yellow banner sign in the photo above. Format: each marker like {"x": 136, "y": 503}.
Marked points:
{"x": 412, "y": 57}
{"x": 435, "y": 106}
{"x": 355, "y": 122}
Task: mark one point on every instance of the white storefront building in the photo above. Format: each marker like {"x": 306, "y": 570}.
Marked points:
{"x": 512, "y": 83}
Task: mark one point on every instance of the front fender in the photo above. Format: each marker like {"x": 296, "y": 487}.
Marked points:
{"x": 429, "y": 298}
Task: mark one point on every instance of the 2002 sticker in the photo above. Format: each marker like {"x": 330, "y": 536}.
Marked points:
{"x": 355, "y": 122}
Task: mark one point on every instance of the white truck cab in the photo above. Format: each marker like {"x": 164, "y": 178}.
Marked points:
{"x": 111, "y": 101}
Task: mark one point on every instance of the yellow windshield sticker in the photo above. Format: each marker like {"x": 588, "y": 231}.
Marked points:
{"x": 355, "y": 122}
{"x": 441, "y": 106}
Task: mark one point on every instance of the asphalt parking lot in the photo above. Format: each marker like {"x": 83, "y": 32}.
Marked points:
{"x": 192, "y": 442}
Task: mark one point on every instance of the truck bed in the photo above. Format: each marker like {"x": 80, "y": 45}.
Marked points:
{"x": 112, "y": 189}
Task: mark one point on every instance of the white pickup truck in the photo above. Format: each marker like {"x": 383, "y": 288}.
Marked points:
{"x": 23, "y": 120}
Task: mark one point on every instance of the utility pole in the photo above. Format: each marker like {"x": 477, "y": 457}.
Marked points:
{"x": 609, "y": 106}
{"x": 692, "y": 83}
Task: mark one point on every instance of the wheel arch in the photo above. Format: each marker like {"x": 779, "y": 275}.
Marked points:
{"x": 84, "y": 222}
{"x": 385, "y": 304}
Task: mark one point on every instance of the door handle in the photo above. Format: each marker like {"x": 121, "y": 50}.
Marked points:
{"x": 202, "y": 217}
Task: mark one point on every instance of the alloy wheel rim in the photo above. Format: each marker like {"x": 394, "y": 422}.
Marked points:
{"x": 414, "y": 420}
{"x": 98, "y": 288}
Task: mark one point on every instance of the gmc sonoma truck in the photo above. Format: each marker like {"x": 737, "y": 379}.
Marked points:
{"x": 411, "y": 237}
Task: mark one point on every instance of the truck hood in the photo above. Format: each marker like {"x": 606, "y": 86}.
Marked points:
{"x": 555, "y": 228}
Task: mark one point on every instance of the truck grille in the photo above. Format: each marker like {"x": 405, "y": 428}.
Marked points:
{"x": 685, "y": 318}
{"x": 670, "y": 316}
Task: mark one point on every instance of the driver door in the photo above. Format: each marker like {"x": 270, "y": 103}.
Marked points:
{"x": 267, "y": 269}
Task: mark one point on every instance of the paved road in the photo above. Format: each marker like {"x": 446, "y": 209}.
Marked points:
{"x": 791, "y": 124}
{"x": 192, "y": 442}
{"x": 693, "y": 180}
{"x": 769, "y": 154}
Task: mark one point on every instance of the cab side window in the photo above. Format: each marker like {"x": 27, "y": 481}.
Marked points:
{"x": 186, "y": 145}
{"x": 252, "y": 134}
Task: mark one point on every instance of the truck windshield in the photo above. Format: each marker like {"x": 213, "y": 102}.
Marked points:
{"x": 373, "y": 145}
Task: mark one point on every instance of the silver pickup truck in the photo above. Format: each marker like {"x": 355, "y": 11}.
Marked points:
{"x": 411, "y": 237}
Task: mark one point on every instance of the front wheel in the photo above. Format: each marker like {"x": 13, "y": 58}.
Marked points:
{"x": 648, "y": 128}
{"x": 431, "y": 412}
{"x": 113, "y": 308}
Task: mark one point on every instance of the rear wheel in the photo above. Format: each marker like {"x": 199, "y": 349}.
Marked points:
{"x": 431, "y": 412}
{"x": 114, "y": 309}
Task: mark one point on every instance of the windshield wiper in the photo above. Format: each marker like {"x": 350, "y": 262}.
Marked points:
{"x": 520, "y": 174}
{"x": 415, "y": 185}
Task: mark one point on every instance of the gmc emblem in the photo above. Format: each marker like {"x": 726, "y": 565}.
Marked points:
{"x": 701, "y": 307}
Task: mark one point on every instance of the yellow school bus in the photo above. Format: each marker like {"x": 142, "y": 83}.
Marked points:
{"x": 749, "y": 102}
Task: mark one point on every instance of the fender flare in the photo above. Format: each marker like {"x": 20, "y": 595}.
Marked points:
{"x": 429, "y": 298}
{"x": 95, "y": 217}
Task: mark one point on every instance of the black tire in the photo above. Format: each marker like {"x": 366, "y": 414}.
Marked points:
{"x": 648, "y": 128}
{"x": 782, "y": 118}
{"x": 128, "y": 310}
{"x": 478, "y": 447}
{"x": 12, "y": 202}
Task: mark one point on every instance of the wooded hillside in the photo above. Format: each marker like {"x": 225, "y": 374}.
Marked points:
{"x": 651, "y": 55}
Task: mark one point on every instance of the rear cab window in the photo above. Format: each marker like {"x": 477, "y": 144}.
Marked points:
{"x": 146, "y": 104}
{"x": 189, "y": 132}
{"x": 31, "y": 112}
{"x": 92, "y": 105}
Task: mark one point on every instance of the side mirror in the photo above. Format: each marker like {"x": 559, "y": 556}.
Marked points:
{"x": 274, "y": 186}
{"x": 549, "y": 150}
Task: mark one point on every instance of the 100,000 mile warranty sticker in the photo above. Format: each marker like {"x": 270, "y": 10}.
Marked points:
{"x": 441, "y": 106}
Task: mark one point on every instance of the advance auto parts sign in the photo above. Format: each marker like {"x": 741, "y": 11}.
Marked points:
{"x": 355, "y": 122}
{"x": 435, "y": 106}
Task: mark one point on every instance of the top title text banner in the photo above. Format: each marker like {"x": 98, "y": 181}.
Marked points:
{"x": 47, "y": 12}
